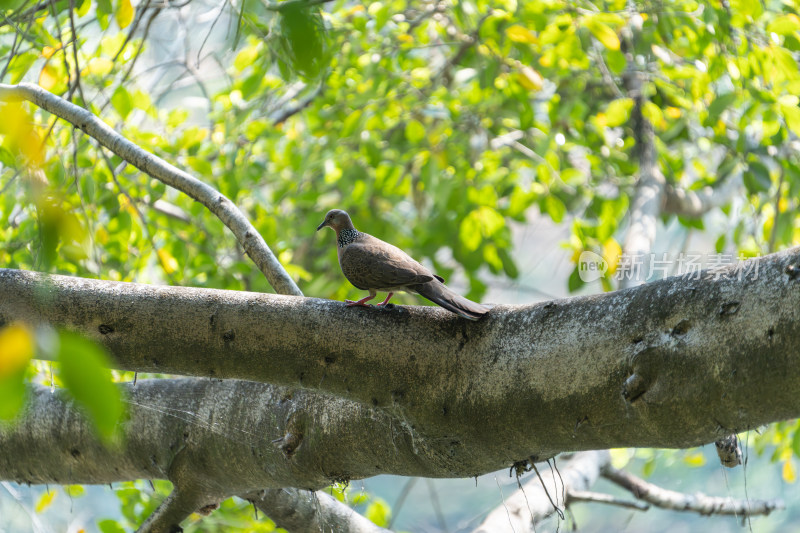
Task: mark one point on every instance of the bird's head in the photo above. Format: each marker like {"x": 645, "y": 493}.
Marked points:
{"x": 336, "y": 219}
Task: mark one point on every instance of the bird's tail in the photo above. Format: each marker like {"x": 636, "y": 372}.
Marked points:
{"x": 439, "y": 294}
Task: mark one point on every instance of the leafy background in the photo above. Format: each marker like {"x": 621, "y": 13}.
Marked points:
{"x": 492, "y": 140}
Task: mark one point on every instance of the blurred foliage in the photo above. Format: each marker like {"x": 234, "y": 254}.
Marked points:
{"x": 440, "y": 126}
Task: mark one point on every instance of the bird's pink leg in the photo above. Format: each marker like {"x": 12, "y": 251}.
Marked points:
{"x": 386, "y": 300}
{"x": 361, "y": 302}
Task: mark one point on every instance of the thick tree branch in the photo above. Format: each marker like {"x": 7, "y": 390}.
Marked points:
{"x": 698, "y": 503}
{"x": 216, "y": 202}
{"x": 301, "y": 511}
{"x": 212, "y": 440}
{"x": 612, "y": 370}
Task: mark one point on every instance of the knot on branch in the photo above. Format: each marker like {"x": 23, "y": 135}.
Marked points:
{"x": 289, "y": 443}
{"x": 793, "y": 271}
{"x": 293, "y": 438}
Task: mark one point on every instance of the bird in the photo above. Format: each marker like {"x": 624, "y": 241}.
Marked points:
{"x": 373, "y": 265}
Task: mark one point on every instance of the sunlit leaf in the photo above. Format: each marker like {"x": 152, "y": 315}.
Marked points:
{"x": 124, "y": 13}
{"x": 45, "y": 500}
{"x": 168, "y": 262}
{"x": 789, "y": 472}
{"x": 122, "y": 101}
{"x": 415, "y": 131}
{"x": 84, "y": 369}
{"x": 110, "y": 526}
{"x": 618, "y": 112}
{"x": 379, "y": 513}
{"x": 16, "y": 348}
{"x": 604, "y": 33}
{"x": 521, "y": 34}
{"x": 695, "y": 459}
{"x": 19, "y": 135}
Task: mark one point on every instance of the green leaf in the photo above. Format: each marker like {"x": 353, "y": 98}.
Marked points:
{"x": 302, "y": 39}
{"x": 415, "y": 131}
{"x": 122, "y": 101}
{"x": 616, "y": 61}
{"x": 379, "y": 513}
{"x": 104, "y": 6}
{"x": 74, "y": 491}
{"x": 509, "y": 266}
{"x": 720, "y": 104}
{"x": 757, "y": 178}
{"x": 110, "y": 526}
{"x": 12, "y": 394}
{"x": 574, "y": 282}
{"x": 618, "y": 112}
{"x": 20, "y": 64}
{"x": 784, "y": 24}
{"x": 555, "y": 208}
{"x": 791, "y": 115}
{"x": 85, "y": 372}
{"x": 796, "y": 441}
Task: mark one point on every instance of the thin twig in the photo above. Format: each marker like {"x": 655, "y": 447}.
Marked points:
{"x": 600, "y": 497}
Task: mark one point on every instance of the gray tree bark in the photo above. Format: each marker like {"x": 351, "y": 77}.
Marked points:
{"x": 407, "y": 390}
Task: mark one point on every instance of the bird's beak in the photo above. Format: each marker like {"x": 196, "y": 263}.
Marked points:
{"x": 321, "y": 225}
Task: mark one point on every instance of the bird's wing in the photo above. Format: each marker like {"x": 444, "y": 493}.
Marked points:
{"x": 373, "y": 264}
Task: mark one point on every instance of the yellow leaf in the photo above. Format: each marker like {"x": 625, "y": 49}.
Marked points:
{"x": 99, "y": 66}
{"x": 126, "y": 205}
{"x": 16, "y": 348}
{"x": 695, "y": 459}
{"x": 603, "y": 33}
{"x": 168, "y": 262}
{"x": 530, "y": 79}
{"x": 620, "y": 457}
{"x": 124, "y": 14}
{"x": 612, "y": 251}
{"x": 48, "y": 77}
{"x": 673, "y": 112}
{"x": 48, "y": 51}
{"x": 520, "y": 34}
{"x": 789, "y": 473}
{"x": 18, "y": 134}
{"x": 45, "y": 500}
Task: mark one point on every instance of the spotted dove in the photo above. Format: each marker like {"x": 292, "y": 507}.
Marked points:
{"x": 373, "y": 265}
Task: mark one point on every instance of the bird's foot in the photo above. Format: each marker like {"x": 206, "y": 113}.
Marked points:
{"x": 358, "y": 303}
{"x": 386, "y": 301}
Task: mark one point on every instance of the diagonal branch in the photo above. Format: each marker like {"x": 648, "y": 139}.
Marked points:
{"x": 301, "y": 511}
{"x": 697, "y": 503}
{"x": 252, "y": 242}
